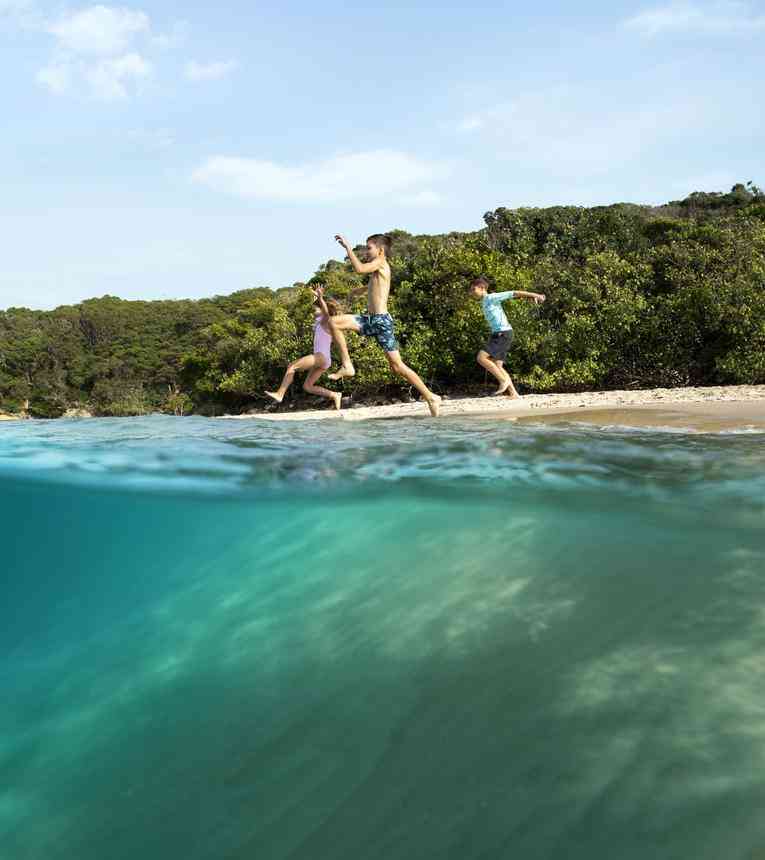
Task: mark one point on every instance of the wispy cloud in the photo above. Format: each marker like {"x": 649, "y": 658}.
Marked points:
{"x": 99, "y": 49}
{"x": 568, "y": 129}
{"x": 424, "y": 198}
{"x": 715, "y": 19}
{"x": 56, "y": 77}
{"x": 215, "y": 71}
{"x": 103, "y": 31}
{"x": 355, "y": 176}
{"x": 111, "y": 79}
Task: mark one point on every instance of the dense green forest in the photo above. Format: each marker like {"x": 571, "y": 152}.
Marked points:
{"x": 638, "y": 296}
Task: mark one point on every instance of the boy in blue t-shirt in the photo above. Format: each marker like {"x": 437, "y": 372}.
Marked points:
{"x": 493, "y": 354}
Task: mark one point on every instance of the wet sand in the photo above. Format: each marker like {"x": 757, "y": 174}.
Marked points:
{"x": 698, "y": 417}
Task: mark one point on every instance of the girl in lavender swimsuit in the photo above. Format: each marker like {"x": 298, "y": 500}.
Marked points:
{"x": 317, "y": 363}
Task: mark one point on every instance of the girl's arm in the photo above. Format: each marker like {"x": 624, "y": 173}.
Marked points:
{"x": 319, "y": 293}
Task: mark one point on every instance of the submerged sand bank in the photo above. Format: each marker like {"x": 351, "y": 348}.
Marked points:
{"x": 718, "y": 408}
{"x": 710, "y": 417}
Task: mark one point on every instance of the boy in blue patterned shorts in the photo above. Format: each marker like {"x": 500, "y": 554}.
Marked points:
{"x": 493, "y": 355}
{"x": 377, "y": 322}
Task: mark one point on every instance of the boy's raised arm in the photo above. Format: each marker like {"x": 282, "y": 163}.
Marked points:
{"x": 359, "y": 267}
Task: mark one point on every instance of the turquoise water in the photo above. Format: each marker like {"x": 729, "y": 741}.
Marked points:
{"x": 400, "y": 639}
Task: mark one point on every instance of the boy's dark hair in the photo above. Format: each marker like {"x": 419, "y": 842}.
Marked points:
{"x": 480, "y": 281}
{"x": 382, "y": 240}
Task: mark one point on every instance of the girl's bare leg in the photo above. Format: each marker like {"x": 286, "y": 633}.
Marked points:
{"x": 307, "y": 362}
{"x": 397, "y": 366}
{"x": 338, "y": 325}
{"x": 310, "y": 386}
{"x": 496, "y": 370}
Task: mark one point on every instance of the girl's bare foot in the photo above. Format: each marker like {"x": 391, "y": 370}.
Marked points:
{"x": 434, "y": 404}
{"x": 337, "y": 399}
{"x": 348, "y": 370}
{"x": 274, "y": 395}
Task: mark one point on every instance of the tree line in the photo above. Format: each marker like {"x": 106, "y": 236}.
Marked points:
{"x": 638, "y": 297}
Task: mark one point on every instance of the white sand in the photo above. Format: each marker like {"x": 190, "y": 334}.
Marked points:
{"x": 741, "y": 407}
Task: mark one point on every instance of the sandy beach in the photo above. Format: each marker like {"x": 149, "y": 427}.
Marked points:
{"x": 700, "y": 409}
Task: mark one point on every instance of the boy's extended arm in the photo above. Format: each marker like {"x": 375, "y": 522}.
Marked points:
{"x": 536, "y": 297}
{"x": 359, "y": 267}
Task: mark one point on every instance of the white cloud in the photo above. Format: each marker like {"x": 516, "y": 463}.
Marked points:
{"x": 56, "y": 77}
{"x": 96, "y": 49}
{"x": 718, "y": 19}
{"x": 195, "y": 71}
{"x": 109, "y": 79}
{"x": 103, "y": 31}
{"x": 355, "y": 176}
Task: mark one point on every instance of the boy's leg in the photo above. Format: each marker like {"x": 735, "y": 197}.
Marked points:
{"x": 310, "y": 386}
{"x": 337, "y": 325}
{"x": 495, "y": 369}
{"x": 510, "y": 390}
{"x": 305, "y": 363}
{"x": 397, "y": 366}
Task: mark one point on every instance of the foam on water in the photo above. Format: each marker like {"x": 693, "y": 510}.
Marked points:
{"x": 401, "y": 639}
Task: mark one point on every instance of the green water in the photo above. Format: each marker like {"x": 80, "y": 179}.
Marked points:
{"x": 402, "y": 640}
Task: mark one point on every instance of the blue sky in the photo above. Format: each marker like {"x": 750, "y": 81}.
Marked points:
{"x": 161, "y": 150}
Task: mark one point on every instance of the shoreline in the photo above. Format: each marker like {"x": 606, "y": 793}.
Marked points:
{"x": 701, "y": 409}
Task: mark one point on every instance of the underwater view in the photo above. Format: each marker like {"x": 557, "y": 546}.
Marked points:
{"x": 389, "y": 639}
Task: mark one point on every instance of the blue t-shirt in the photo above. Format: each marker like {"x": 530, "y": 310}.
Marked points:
{"x": 494, "y": 312}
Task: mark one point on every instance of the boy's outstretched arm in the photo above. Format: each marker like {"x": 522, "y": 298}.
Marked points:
{"x": 359, "y": 267}
{"x": 537, "y": 298}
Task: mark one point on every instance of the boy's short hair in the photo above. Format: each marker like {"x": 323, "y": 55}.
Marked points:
{"x": 382, "y": 240}
{"x": 480, "y": 281}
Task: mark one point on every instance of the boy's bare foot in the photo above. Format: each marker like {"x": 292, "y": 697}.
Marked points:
{"x": 434, "y": 404}
{"x": 337, "y": 399}
{"x": 342, "y": 373}
{"x": 274, "y": 395}
{"x": 513, "y": 395}
{"x": 503, "y": 389}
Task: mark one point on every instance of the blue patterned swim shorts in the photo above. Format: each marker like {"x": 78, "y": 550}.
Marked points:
{"x": 380, "y": 327}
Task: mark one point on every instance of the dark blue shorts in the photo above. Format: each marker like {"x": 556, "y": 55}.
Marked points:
{"x": 498, "y": 345}
{"x": 380, "y": 327}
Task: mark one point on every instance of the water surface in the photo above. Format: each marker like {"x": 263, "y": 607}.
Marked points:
{"x": 398, "y": 639}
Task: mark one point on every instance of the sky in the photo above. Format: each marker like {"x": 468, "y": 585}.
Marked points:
{"x": 181, "y": 150}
